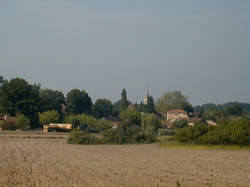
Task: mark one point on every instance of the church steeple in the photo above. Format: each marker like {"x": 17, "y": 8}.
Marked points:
{"x": 145, "y": 101}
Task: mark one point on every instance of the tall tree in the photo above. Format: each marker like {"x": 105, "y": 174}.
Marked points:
{"x": 124, "y": 101}
{"x": 150, "y": 105}
{"x": 102, "y": 108}
{"x": 173, "y": 100}
{"x": 116, "y": 108}
{"x": 78, "y": 102}
{"x": 51, "y": 100}
{"x": 18, "y": 96}
{"x": 1, "y": 79}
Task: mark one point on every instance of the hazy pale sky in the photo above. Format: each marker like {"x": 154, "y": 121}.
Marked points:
{"x": 200, "y": 47}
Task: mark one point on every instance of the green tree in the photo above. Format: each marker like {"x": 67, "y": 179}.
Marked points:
{"x": 235, "y": 110}
{"x": 72, "y": 119}
{"x": 51, "y": 100}
{"x": 78, "y": 102}
{"x": 142, "y": 107}
{"x": 48, "y": 117}
{"x": 150, "y": 134}
{"x": 117, "y": 105}
{"x": 128, "y": 132}
{"x": 172, "y": 100}
{"x": 18, "y": 96}
{"x": 87, "y": 122}
{"x": 21, "y": 121}
{"x": 124, "y": 101}
{"x": 191, "y": 133}
{"x": 1, "y": 79}
{"x": 116, "y": 108}
{"x": 131, "y": 116}
{"x": 180, "y": 123}
{"x": 102, "y": 108}
{"x": 214, "y": 115}
{"x": 150, "y": 105}
{"x": 102, "y": 125}
{"x": 84, "y": 122}
{"x": 231, "y": 132}
{"x": 124, "y": 133}
{"x": 150, "y": 120}
{"x": 210, "y": 106}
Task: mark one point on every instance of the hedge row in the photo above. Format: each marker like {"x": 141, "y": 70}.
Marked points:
{"x": 231, "y": 132}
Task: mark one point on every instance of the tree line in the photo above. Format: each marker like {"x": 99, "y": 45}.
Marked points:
{"x": 140, "y": 122}
{"x": 37, "y": 106}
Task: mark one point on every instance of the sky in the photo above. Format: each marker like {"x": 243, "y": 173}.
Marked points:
{"x": 198, "y": 47}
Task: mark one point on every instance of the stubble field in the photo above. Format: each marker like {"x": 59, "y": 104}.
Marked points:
{"x": 53, "y": 162}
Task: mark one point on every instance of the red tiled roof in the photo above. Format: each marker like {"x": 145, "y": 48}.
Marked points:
{"x": 177, "y": 111}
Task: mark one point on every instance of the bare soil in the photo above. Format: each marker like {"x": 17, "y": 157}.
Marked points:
{"x": 53, "y": 162}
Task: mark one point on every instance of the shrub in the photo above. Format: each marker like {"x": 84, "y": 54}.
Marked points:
{"x": 150, "y": 120}
{"x": 72, "y": 119}
{"x": 167, "y": 132}
{"x": 47, "y": 117}
{"x": 185, "y": 134}
{"x": 87, "y": 122}
{"x": 139, "y": 138}
{"x": 81, "y": 137}
{"x": 102, "y": 125}
{"x": 235, "y": 132}
{"x": 126, "y": 132}
{"x": 150, "y": 134}
{"x": 110, "y": 136}
{"x": 129, "y": 133}
{"x": 21, "y": 121}
{"x": 191, "y": 133}
{"x": 231, "y": 132}
{"x": 180, "y": 123}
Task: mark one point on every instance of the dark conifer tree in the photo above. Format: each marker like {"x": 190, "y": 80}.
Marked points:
{"x": 124, "y": 101}
{"x": 150, "y": 105}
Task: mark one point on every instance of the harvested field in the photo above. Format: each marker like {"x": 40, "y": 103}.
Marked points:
{"x": 32, "y": 134}
{"x": 53, "y": 162}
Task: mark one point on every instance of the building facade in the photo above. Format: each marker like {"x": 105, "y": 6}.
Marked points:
{"x": 177, "y": 114}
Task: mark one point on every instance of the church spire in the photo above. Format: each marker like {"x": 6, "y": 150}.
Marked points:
{"x": 145, "y": 101}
